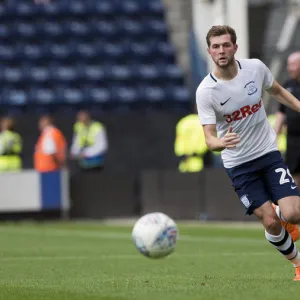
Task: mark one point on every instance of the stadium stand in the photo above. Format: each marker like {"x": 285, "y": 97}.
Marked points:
{"x": 109, "y": 53}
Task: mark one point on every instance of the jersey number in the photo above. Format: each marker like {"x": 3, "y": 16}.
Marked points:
{"x": 283, "y": 178}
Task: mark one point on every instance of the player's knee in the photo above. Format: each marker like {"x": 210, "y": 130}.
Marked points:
{"x": 272, "y": 223}
{"x": 292, "y": 214}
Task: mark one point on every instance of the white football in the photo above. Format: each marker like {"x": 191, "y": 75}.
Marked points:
{"x": 155, "y": 235}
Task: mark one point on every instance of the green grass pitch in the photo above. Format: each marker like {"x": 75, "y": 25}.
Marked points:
{"x": 90, "y": 261}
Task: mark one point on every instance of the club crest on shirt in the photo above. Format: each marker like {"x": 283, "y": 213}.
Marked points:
{"x": 251, "y": 88}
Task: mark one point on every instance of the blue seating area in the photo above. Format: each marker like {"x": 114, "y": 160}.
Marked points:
{"x": 101, "y": 53}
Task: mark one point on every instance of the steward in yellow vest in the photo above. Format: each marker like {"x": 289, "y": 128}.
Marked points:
{"x": 190, "y": 144}
{"x": 10, "y": 147}
{"x": 89, "y": 142}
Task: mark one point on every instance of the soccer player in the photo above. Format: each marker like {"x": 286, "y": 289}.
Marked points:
{"x": 234, "y": 121}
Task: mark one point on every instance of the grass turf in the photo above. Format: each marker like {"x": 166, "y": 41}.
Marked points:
{"x": 89, "y": 261}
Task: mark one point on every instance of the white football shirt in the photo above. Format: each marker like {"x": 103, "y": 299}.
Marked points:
{"x": 238, "y": 103}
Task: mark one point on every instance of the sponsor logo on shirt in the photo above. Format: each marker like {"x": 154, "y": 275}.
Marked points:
{"x": 243, "y": 112}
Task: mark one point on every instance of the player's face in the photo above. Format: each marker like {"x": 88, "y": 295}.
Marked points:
{"x": 222, "y": 50}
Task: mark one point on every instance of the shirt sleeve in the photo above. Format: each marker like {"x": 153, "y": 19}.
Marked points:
{"x": 267, "y": 76}
{"x": 205, "y": 108}
{"x": 49, "y": 146}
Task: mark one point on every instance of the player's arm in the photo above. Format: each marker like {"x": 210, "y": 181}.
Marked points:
{"x": 283, "y": 96}
{"x": 229, "y": 141}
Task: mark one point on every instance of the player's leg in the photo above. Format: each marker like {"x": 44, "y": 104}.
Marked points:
{"x": 289, "y": 208}
{"x": 278, "y": 236}
{"x": 284, "y": 192}
{"x": 254, "y": 194}
{"x": 293, "y": 229}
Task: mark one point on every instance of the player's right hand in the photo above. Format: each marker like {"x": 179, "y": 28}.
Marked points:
{"x": 231, "y": 139}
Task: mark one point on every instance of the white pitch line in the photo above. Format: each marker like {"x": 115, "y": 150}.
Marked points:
{"x": 125, "y": 236}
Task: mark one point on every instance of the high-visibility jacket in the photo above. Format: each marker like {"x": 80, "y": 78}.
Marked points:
{"x": 281, "y": 138}
{"x": 10, "y": 158}
{"x": 44, "y": 162}
{"x": 86, "y": 136}
{"x": 190, "y": 144}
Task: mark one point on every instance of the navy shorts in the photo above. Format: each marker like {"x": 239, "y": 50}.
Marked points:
{"x": 262, "y": 179}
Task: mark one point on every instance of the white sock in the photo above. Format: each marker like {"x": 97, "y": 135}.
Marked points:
{"x": 285, "y": 245}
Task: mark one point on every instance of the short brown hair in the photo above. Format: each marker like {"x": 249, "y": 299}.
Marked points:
{"x": 221, "y": 30}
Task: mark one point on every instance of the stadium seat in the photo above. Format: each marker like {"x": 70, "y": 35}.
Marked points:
{"x": 140, "y": 52}
{"x": 52, "y": 30}
{"x": 120, "y": 73}
{"x": 39, "y": 74}
{"x": 59, "y": 51}
{"x": 132, "y": 28}
{"x": 7, "y": 53}
{"x": 71, "y": 95}
{"x": 5, "y": 32}
{"x": 64, "y": 75}
{"x": 12, "y": 76}
{"x": 104, "y": 8}
{"x": 93, "y": 74}
{"x": 149, "y": 73}
{"x": 164, "y": 51}
{"x": 157, "y": 28}
{"x": 14, "y": 97}
{"x": 77, "y": 29}
{"x": 113, "y": 52}
{"x": 106, "y": 53}
{"x": 178, "y": 94}
{"x": 153, "y": 94}
{"x": 129, "y": 8}
{"x": 124, "y": 94}
{"x": 25, "y": 30}
{"x": 30, "y": 52}
{"x": 3, "y": 12}
{"x": 86, "y": 51}
{"x": 105, "y": 29}
{"x": 78, "y": 8}
{"x": 25, "y": 10}
{"x": 172, "y": 73}
{"x": 98, "y": 95}
{"x": 154, "y": 8}
{"x": 42, "y": 96}
{"x": 51, "y": 10}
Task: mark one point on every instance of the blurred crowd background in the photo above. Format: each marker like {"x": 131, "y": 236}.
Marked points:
{"x": 106, "y": 89}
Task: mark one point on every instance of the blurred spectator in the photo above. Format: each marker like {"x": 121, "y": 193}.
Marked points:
{"x": 281, "y": 137}
{"x": 190, "y": 146}
{"x": 90, "y": 143}
{"x": 50, "y": 151}
{"x": 291, "y": 118}
{"x": 10, "y": 147}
